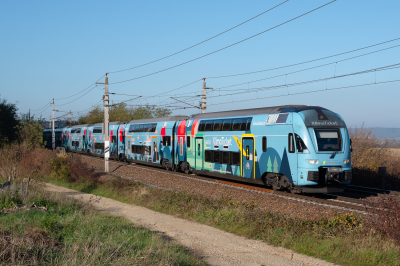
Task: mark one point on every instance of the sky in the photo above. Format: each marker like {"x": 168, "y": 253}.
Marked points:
{"x": 59, "y": 49}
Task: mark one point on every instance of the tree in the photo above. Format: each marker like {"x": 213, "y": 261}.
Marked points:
{"x": 121, "y": 112}
{"x": 8, "y": 122}
{"x": 30, "y": 131}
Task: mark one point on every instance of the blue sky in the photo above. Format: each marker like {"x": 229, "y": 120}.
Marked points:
{"x": 52, "y": 49}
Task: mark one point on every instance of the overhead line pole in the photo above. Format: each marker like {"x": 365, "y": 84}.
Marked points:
{"x": 106, "y": 127}
{"x": 203, "y": 103}
{"x": 53, "y": 134}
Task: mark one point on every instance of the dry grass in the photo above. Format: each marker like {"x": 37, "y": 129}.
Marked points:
{"x": 69, "y": 233}
{"x": 368, "y": 155}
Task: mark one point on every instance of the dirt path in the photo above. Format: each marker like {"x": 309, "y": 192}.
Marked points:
{"x": 216, "y": 247}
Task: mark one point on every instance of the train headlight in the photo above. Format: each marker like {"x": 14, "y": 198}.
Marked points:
{"x": 346, "y": 161}
{"x": 312, "y": 161}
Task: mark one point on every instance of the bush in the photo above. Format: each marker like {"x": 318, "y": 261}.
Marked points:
{"x": 368, "y": 155}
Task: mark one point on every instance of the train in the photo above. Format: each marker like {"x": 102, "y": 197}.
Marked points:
{"x": 302, "y": 149}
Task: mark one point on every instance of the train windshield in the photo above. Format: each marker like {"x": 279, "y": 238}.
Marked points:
{"x": 328, "y": 139}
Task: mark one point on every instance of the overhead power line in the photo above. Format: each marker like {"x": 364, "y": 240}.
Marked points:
{"x": 41, "y": 107}
{"x": 226, "y": 47}
{"x": 389, "y": 67}
{"x": 197, "y": 44}
{"x": 394, "y": 66}
{"x": 305, "y": 69}
{"x": 305, "y": 62}
{"x": 59, "y": 99}
{"x": 338, "y": 88}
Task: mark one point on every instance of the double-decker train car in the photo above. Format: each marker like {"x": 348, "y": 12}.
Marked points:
{"x": 149, "y": 141}
{"x": 299, "y": 148}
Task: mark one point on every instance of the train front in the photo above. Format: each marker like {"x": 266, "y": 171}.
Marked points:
{"x": 324, "y": 147}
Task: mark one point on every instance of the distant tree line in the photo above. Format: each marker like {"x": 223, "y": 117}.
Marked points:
{"x": 122, "y": 112}
{"x": 28, "y": 129}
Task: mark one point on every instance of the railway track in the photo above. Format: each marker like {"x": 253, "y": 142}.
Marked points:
{"x": 328, "y": 200}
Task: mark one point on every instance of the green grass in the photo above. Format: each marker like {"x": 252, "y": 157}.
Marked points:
{"x": 73, "y": 234}
{"x": 340, "y": 240}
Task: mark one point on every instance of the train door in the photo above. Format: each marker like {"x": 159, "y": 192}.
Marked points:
{"x": 248, "y": 157}
{"x": 199, "y": 153}
{"x": 154, "y": 150}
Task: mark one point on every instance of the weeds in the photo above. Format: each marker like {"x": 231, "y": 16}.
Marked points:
{"x": 68, "y": 233}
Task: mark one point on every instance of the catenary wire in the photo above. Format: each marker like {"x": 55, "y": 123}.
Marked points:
{"x": 34, "y": 110}
{"x": 305, "y": 69}
{"x": 80, "y": 91}
{"x": 305, "y": 62}
{"x": 283, "y": 95}
{"x": 226, "y": 47}
{"x": 389, "y": 67}
{"x": 219, "y": 34}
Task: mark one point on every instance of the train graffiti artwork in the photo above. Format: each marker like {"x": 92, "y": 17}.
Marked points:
{"x": 299, "y": 148}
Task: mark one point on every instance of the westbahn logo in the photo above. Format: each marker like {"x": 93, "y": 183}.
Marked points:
{"x": 325, "y": 123}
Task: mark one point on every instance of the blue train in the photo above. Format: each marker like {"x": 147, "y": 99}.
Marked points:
{"x": 304, "y": 149}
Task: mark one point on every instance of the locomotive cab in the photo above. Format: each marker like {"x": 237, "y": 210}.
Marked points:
{"x": 322, "y": 144}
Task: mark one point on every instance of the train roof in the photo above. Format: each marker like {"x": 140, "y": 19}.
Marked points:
{"x": 110, "y": 123}
{"x": 246, "y": 112}
{"x": 159, "y": 119}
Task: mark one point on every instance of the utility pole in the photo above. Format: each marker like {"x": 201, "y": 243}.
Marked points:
{"x": 106, "y": 127}
{"x": 70, "y": 120}
{"x": 203, "y": 103}
{"x": 53, "y": 134}
{"x": 29, "y": 116}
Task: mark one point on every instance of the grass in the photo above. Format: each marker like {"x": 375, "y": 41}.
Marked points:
{"x": 69, "y": 233}
{"x": 341, "y": 240}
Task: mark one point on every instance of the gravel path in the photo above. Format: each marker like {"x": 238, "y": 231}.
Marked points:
{"x": 214, "y": 246}
{"x": 196, "y": 185}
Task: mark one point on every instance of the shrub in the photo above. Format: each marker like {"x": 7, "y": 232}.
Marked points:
{"x": 368, "y": 155}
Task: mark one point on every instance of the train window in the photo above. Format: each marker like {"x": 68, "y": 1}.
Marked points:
{"x": 133, "y": 149}
{"x": 202, "y": 125}
{"x": 282, "y": 118}
{"x": 300, "y": 144}
{"x": 75, "y": 143}
{"x": 99, "y": 146}
{"x": 147, "y": 150}
{"x": 208, "y": 156}
{"x": 166, "y": 140}
{"x": 114, "y": 139}
{"x": 291, "y": 143}
{"x": 209, "y": 125}
{"x": 140, "y": 128}
{"x": 248, "y": 123}
{"x": 181, "y": 145}
{"x": 97, "y": 130}
{"x": 132, "y": 128}
{"x": 153, "y": 127}
{"x": 227, "y": 125}
{"x": 225, "y": 157}
{"x": 235, "y": 157}
{"x": 328, "y": 139}
{"x": 217, "y": 125}
{"x": 216, "y": 158}
{"x": 188, "y": 141}
{"x": 83, "y": 137}
{"x": 76, "y": 130}
{"x": 264, "y": 144}
{"x": 237, "y": 124}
